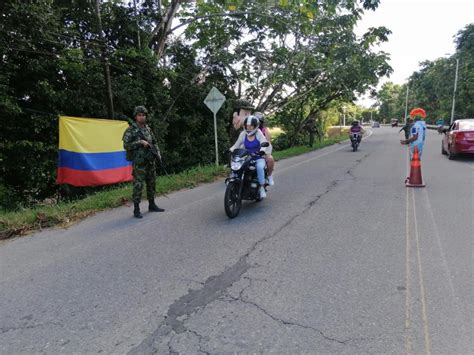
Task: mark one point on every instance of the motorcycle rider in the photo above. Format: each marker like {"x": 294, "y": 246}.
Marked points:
{"x": 356, "y": 128}
{"x": 268, "y": 157}
{"x": 251, "y": 139}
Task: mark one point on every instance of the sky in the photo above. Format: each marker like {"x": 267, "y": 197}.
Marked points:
{"x": 421, "y": 30}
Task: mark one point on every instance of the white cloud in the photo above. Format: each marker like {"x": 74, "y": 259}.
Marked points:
{"x": 421, "y": 30}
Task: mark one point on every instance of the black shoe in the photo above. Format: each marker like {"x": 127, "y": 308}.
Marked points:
{"x": 152, "y": 207}
{"x": 136, "y": 211}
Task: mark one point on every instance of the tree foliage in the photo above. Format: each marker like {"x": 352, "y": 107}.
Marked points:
{"x": 432, "y": 86}
{"x": 167, "y": 55}
{"x": 392, "y": 101}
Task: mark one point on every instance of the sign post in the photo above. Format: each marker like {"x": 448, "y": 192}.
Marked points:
{"x": 454, "y": 91}
{"x": 214, "y": 101}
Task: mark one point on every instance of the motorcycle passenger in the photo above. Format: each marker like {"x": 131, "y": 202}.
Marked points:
{"x": 268, "y": 157}
{"x": 251, "y": 139}
{"x": 356, "y": 128}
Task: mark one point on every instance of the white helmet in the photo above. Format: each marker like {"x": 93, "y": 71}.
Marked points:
{"x": 260, "y": 116}
{"x": 251, "y": 121}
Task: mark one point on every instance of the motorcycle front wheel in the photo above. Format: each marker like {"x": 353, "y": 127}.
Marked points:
{"x": 354, "y": 146}
{"x": 232, "y": 200}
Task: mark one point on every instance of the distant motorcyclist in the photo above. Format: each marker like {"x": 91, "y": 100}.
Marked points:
{"x": 251, "y": 139}
{"x": 440, "y": 125}
{"x": 356, "y": 128}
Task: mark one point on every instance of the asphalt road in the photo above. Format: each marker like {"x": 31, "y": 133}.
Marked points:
{"x": 340, "y": 258}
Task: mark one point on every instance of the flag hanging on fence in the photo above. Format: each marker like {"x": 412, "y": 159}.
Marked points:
{"x": 91, "y": 152}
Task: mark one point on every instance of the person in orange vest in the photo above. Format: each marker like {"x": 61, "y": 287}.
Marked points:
{"x": 417, "y": 136}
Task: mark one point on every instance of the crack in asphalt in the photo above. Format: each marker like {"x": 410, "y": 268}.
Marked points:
{"x": 285, "y": 322}
{"x": 215, "y": 286}
{"x": 196, "y": 334}
{"x": 6, "y": 330}
{"x": 192, "y": 302}
{"x": 147, "y": 345}
{"x": 275, "y": 318}
{"x": 170, "y": 347}
{"x": 351, "y": 169}
{"x": 200, "y": 338}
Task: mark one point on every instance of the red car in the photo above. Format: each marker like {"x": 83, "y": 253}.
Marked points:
{"x": 458, "y": 138}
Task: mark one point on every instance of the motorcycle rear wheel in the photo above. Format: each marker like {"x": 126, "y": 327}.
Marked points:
{"x": 232, "y": 201}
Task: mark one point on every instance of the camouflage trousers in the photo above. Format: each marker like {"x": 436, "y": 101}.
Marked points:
{"x": 143, "y": 173}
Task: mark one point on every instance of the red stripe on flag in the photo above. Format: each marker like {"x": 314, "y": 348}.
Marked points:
{"x": 94, "y": 178}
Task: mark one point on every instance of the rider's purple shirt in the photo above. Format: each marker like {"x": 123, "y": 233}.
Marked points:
{"x": 356, "y": 129}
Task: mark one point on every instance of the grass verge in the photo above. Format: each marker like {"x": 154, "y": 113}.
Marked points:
{"x": 64, "y": 213}
{"x": 293, "y": 151}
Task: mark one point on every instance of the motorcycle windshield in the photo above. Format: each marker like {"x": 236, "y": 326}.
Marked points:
{"x": 239, "y": 153}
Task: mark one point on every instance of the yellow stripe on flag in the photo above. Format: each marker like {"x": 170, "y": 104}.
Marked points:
{"x": 88, "y": 135}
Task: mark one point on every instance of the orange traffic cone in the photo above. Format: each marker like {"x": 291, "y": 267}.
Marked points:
{"x": 415, "y": 179}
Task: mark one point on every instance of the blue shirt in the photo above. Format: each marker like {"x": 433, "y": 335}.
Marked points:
{"x": 419, "y": 127}
{"x": 253, "y": 147}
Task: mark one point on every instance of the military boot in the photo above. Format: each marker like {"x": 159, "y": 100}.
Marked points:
{"x": 152, "y": 207}
{"x": 136, "y": 210}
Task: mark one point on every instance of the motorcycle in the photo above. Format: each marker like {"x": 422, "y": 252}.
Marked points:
{"x": 355, "y": 141}
{"x": 242, "y": 183}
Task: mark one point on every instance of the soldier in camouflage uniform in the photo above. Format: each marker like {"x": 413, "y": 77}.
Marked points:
{"x": 138, "y": 151}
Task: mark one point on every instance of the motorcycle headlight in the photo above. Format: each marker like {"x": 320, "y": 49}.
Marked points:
{"x": 236, "y": 164}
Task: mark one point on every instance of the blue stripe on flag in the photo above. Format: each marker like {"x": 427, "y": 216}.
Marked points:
{"x": 92, "y": 161}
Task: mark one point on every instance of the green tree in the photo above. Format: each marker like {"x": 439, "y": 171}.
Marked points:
{"x": 389, "y": 97}
{"x": 30, "y": 91}
{"x": 465, "y": 53}
{"x": 281, "y": 54}
{"x": 51, "y": 54}
{"x": 431, "y": 87}
{"x": 282, "y": 57}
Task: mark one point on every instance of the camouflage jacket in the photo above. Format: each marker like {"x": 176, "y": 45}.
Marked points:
{"x": 136, "y": 152}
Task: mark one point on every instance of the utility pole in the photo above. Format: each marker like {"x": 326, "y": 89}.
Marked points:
{"x": 138, "y": 27}
{"x": 406, "y": 105}
{"x": 340, "y": 125}
{"x": 105, "y": 61}
{"x": 344, "y": 114}
{"x": 455, "y": 88}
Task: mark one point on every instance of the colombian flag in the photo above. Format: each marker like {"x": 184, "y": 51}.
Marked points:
{"x": 91, "y": 152}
